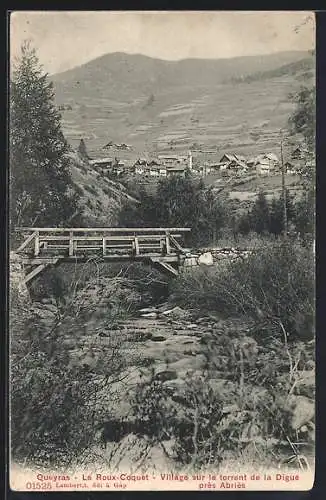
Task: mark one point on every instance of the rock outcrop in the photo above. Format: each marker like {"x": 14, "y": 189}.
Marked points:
{"x": 17, "y": 287}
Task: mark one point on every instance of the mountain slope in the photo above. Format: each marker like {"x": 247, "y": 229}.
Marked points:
{"x": 100, "y": 197}
{"x": 158, "y": 106}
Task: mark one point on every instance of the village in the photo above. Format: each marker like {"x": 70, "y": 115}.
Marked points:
{"x": 229, "y": 164}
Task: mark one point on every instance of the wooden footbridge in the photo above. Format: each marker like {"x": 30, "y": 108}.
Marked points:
{"x": 50, "y": 246}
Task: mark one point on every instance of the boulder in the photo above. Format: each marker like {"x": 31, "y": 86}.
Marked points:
{"x": 158, "y": 338}
{"x": 51, "y": 307}
{"x": 305, "y": 385}
{"x": 206, "y": 259}
{"x": 48, "y": 300}
{"x": 303, "y": 411}
{"x": 150, "y": 315}
{"x": 175, "y": 313}
{"x": 163, "y": 307}
{"x": 183, "y": 365}
{"x": 147, "y": 310}
{"x": 18, "y": 287}
{"x": 44, "y": 313}
{"x": 166, "y": 375}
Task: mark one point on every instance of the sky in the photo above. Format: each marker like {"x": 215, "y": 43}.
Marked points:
{"x": 65, "y": 39}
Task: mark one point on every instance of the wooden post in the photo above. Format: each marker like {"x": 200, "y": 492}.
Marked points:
{"x": 162, "y": 246}
{"x": 136, "y": 245}
{"x": 167, "y": 242}
{"x": 71, "y": 244}
{"x": 37, "y": 244}
{"x": 104, "y": 246}
{"x": 285, "y": 221}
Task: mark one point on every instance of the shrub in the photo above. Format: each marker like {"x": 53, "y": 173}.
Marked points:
{"x": 58, "y": 396}
{"x": 91, "y": 189}
{"x": 56, "y": 401}
{"x": 274, "y": 284}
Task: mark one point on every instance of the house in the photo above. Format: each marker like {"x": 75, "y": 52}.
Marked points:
{"x": 146, "y": 167}
{"x": 101, "y": 162}
{"x": 251, "y": 162}
{"x": 118, "y": 167}
{"x": 236, "y": 163}
{"x": 211, "y": 168}
{"x": 153, "y": 172}
{"x": 290, "y": 168}
{"x": 172, "y": 163}
{"x": 139, "y": 169}
{"x": 309, "y": 167}
{"x": 263, "y": 166}
{"x": 173, "y": 159}
{"x": 139, "y": 166}
{"x": 122, "y": 146}
{"x": 299, "y": 153}
{"x": 266, "y": 163}
{"x": 272, "y": 158}
{"x": 179, "y": 170}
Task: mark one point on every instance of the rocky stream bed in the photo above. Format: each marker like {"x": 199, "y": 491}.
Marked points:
{"x": 173, "y": 349}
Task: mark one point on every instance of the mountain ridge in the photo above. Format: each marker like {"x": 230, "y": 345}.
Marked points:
{"x": 113, "y": 55}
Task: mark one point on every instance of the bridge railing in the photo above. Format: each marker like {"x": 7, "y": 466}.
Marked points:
{"x": 74, "y": 242}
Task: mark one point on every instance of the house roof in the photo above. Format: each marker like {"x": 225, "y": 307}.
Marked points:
{"x": 100, "y": 160}
{"x": 172, "y": 157}
{"x": 262, "y": 159}
{"x": 179, "y": 168}
{"x": 264, "y": 164}
{"x": 229, "y": 157}
{"x": 301, "y": 147}
{"x": 215, "y": 164}
{"x": 251, "y": 161}
{"x": 271, "y": 156}
{"x": 240, "y": 157}
{"x": 141, "y": 161}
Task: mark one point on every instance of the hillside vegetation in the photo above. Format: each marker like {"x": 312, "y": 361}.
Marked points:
{"x": 100, "y": 198}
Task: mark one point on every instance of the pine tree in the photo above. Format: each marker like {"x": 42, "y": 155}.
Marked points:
{"x": 41, "y": 189}
{"x": 276, "y": 216}
{"x": 302, "y": 120}
{"x": 276, "y": 223}
{"x": 259, "y": 216}
{"x": 82, "y": 150}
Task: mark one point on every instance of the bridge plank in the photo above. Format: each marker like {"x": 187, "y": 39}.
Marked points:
{"x": 99, "y": 238}
{"x": 105, "y": 229}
